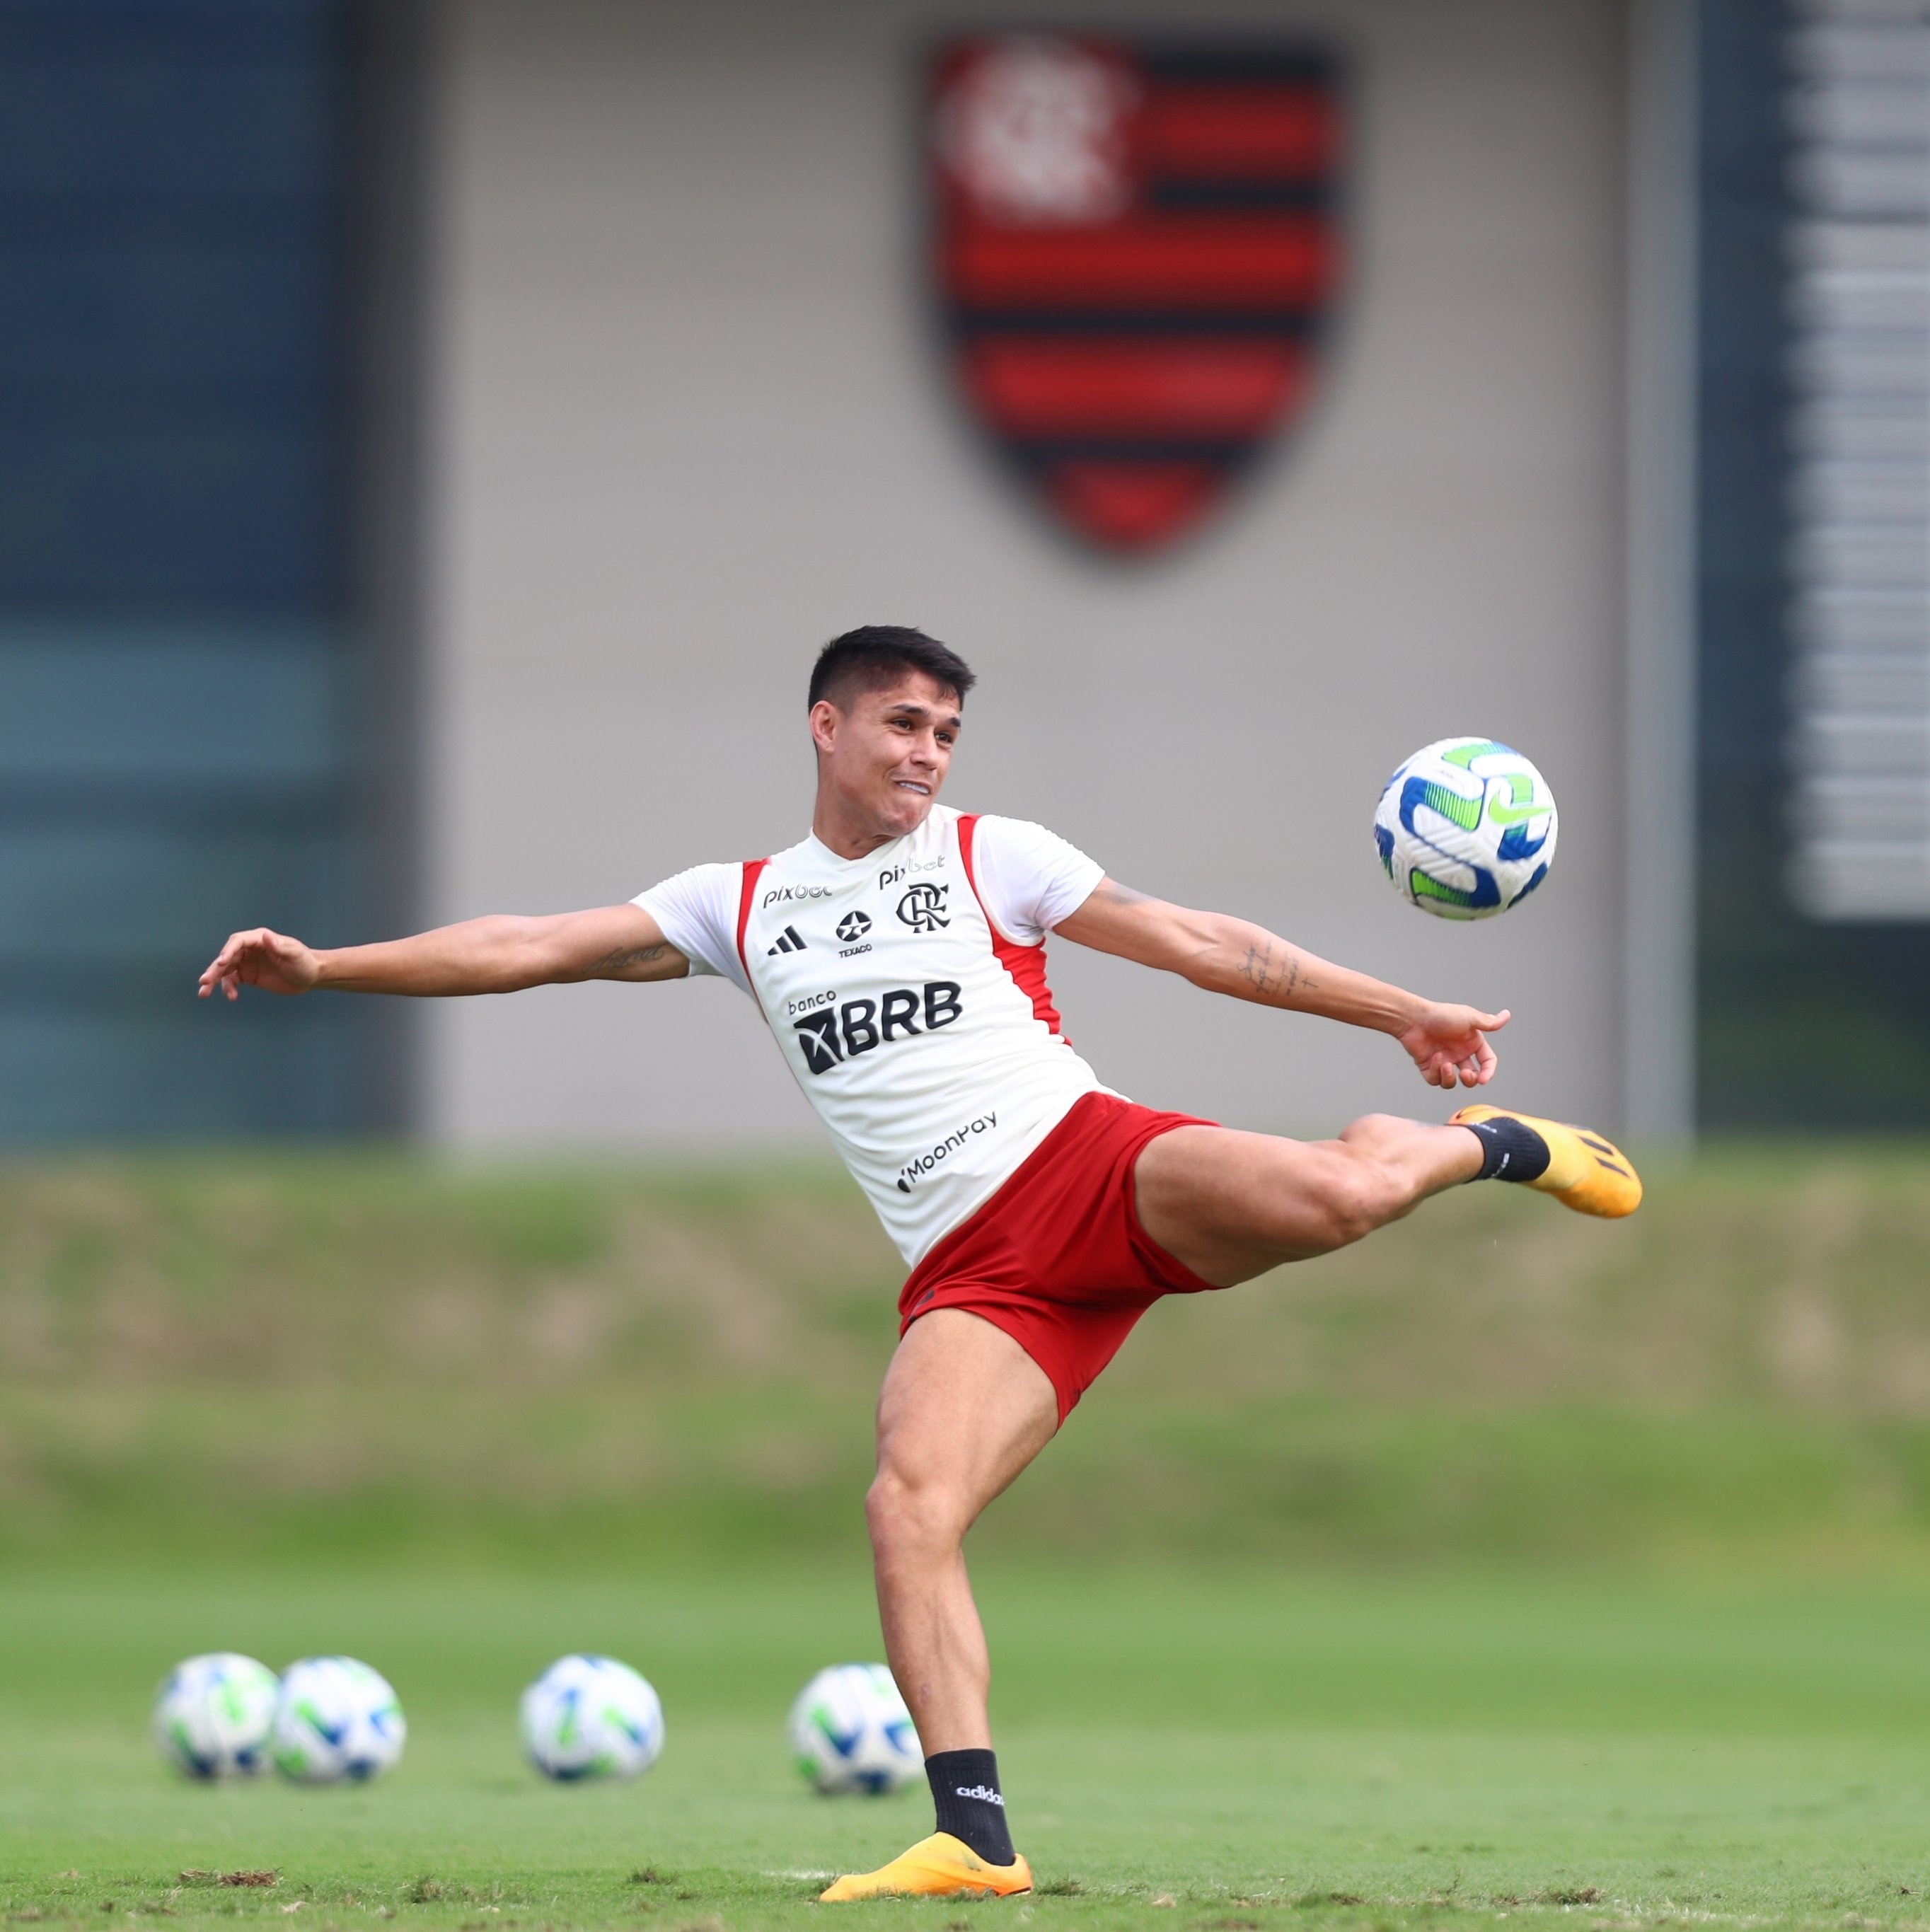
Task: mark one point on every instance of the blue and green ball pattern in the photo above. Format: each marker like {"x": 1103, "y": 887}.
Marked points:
{"x": 850, "y": 1734}
{"x": 589, "y": 1717}
{"x": 338, "y": 1721}
{"x": 213, "y": 1715}
{"x": 1465, "y": 828}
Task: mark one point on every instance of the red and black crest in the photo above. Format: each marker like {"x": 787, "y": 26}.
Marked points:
{"x": 1137, "y": 246}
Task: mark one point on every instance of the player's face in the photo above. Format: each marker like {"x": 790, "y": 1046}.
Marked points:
{"x": 884, "y": 754}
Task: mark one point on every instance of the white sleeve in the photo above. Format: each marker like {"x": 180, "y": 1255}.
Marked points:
{"x": 698, "y": 911}
{"x": 1028, "y": 878}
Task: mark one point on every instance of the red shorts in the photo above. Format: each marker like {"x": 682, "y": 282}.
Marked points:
{"x": 1056, "y": 1257}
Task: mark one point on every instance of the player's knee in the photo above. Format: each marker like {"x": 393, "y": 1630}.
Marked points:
{"x": 904, "y": 1516}
{"x": 1361, "y": 1196}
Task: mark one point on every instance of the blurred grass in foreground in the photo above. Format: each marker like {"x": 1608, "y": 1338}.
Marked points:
{"x": 268, "y": 1356}
{"x": 1351, "y": 1754}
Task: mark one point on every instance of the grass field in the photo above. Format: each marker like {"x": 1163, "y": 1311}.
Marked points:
{"x": 372, "y": 1355}
{"x": 1180, "y": 1749}
{"x": 1509, "y": 1566}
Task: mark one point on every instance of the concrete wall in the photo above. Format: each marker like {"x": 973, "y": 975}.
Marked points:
{"x": 688, "y": 421}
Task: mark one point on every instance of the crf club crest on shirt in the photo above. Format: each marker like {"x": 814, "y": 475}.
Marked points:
{"x": 1137, "y": 249}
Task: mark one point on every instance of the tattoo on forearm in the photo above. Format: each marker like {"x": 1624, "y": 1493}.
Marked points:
{"x": 1265, "y": 972}
{"x": 1257, "y": 969}
{"x": 627, "y": 956}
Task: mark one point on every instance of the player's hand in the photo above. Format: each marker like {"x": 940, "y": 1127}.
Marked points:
{"x": 1449, "y": 1045}
{"x": 271, "y": 960}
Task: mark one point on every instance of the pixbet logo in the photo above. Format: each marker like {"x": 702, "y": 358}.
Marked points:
{"x": 892, "y": 874}
{"x": 922, "y": 908}
{"x": 835, "y": 1034}
{"x": 778, "y": 894}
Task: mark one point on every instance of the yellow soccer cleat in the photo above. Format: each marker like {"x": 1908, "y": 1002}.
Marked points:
{"x": 939, "y": 1866}
{"x": 1585, "y": 1172}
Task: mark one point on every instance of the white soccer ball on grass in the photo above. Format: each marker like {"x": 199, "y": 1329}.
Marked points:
{"x": 1465, "y": 828}
{"x": 213, "y": 1714}
{"x": 591, "y": 1716}
{"x": 337, "y": 1720}
{"x": 851, "y": 1732}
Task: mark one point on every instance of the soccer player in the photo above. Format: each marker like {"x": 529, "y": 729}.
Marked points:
{"x": 897, "y": 954}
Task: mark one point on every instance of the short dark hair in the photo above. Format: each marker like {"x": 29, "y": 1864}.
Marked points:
{"x": 874, "y": 655}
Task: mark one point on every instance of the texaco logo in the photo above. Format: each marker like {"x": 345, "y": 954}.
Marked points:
{"x": 852, "y": 925}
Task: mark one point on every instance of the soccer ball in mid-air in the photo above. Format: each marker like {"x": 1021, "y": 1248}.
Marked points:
{"x": 213, "y": 1714}
{"x": 591, "y": 1716}
{"x": 850, "y": 1731}
{"x": 337, "y": 1719}
{"x": 1465, "y": 828}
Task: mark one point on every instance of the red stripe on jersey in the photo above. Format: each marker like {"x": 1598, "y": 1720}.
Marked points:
{"x": 1026, "y": 964}
{"x": 747, "y": 893}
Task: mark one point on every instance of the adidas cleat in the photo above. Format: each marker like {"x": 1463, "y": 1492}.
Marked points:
{"x": 939, "y": 1866}
{"x": 1585, "y": 1172}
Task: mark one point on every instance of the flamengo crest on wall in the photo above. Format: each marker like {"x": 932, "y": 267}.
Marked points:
{"x": 1136, "y": 247}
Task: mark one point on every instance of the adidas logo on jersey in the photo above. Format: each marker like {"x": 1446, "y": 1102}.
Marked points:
{"x": 789, "y": 941}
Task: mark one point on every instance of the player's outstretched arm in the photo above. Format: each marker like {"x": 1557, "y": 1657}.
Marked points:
{"x": 1447, "y": 1044}
{"x": 502, "y": 954}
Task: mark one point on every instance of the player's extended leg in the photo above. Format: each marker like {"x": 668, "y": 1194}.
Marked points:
{"x": 1231, "y": 1205}
{"x": 964, "y": 1409}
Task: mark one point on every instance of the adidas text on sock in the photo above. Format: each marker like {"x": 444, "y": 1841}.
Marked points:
{"x": 964, "y": 1791}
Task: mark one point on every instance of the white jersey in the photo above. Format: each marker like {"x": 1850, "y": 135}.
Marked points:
{"x": 907, "y": 990}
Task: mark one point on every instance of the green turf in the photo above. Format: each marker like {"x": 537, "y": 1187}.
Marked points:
{"x": 1625, "y": 1534}
{"x": 388, "y": 1359}
{"x": 1186, "y": 1749}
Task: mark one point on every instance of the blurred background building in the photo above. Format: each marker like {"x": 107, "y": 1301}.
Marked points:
{"x": 437, "y": 435}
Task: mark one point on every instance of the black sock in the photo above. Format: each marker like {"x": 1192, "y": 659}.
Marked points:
{"x": 964, "y": 1787}
{"x": 1510, "y": 1150}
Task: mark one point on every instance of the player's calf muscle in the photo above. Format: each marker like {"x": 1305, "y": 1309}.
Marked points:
{"x": 1356, "y": 1196}
{"x": 1340, "y": 1201}
{"x": 1230, "y": 1205}
{"x": 1383, "y": 1168}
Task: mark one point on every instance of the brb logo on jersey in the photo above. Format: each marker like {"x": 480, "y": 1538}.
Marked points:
{"x": 834, "y": 1033}
{"x": 922, "y": 907}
